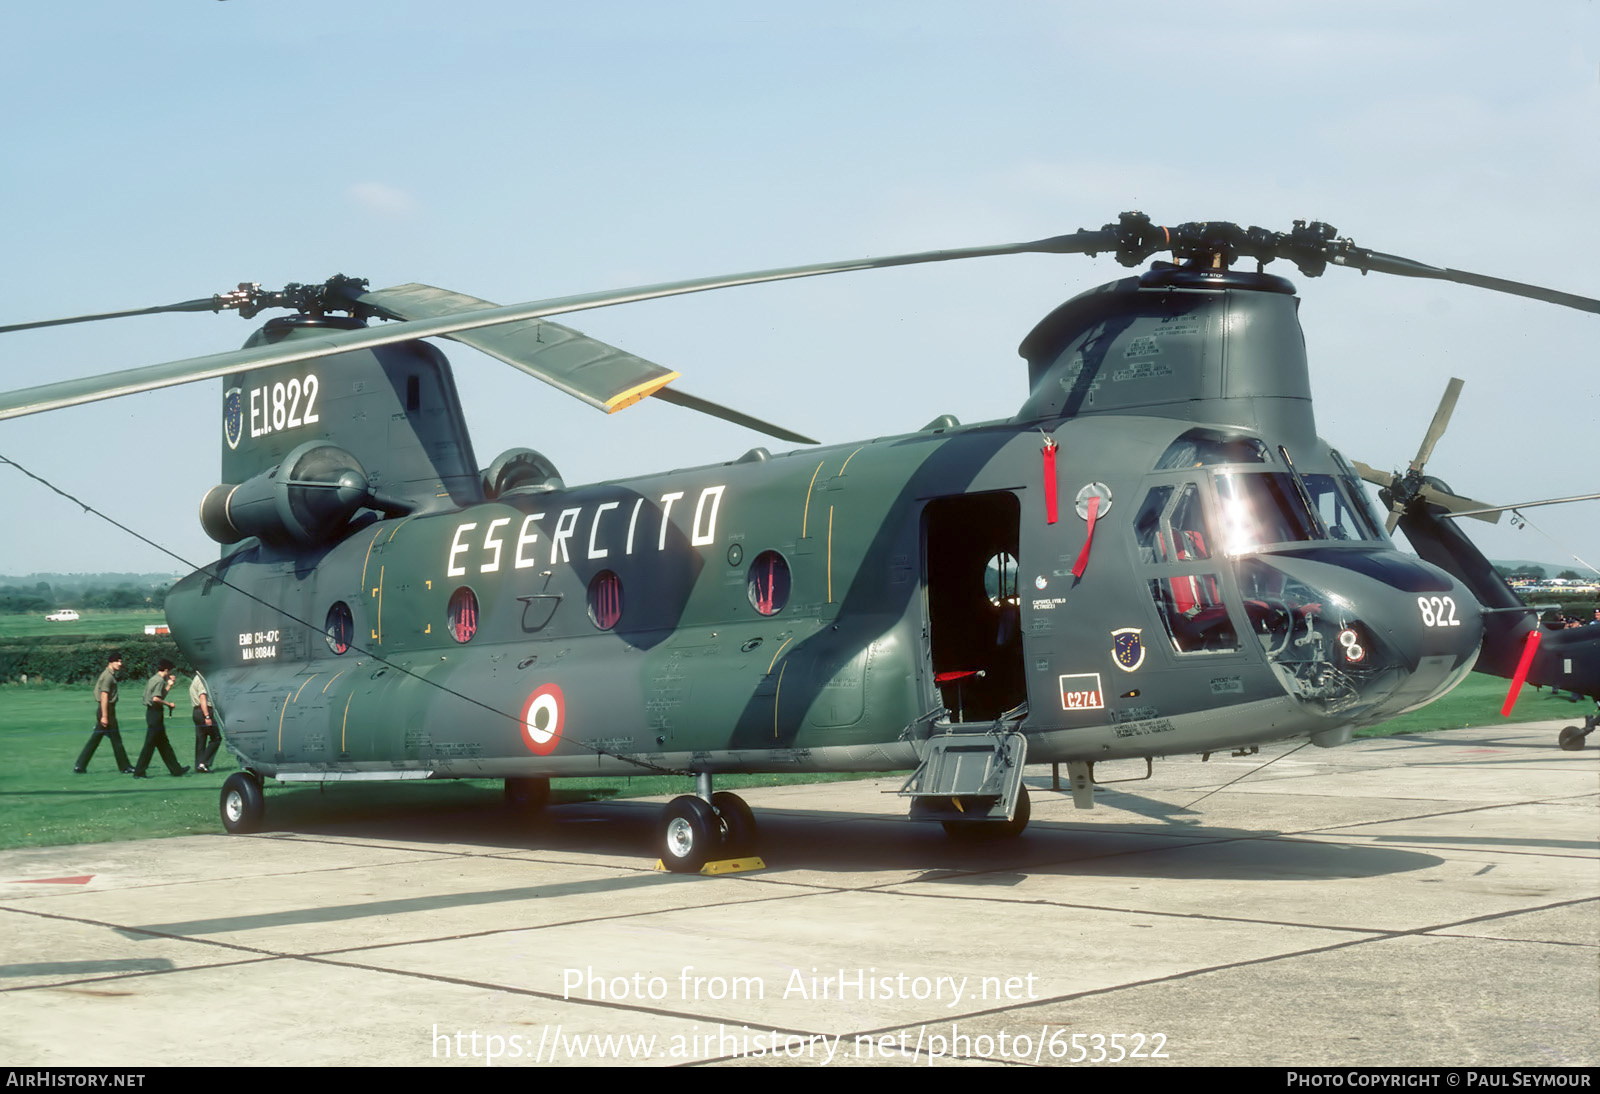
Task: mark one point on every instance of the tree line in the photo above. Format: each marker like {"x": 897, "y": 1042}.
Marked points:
{"x": 41, "y": 597}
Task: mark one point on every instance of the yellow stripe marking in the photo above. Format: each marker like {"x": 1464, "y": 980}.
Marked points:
{"x": 310, "y": 678}
{"x": 380, "y": 604}
{"x": 639, "y": 391}
{"x": 807, "y": 514}
{"x": 776, "y": 693}
{"x": 329, "y": 684}
{"x": 395, "y": 531}
{"x": 847, "y": 460}
{"x": 345, "y": 723}
{"x": 281, "y": 713}
{"x": 786, "y": 641}
{"x": 830, "y": 554}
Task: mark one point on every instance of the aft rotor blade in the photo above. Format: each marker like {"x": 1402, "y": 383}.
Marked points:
{"x": 45, "y": 397}
{"x": 1458, "y": 506}
{"x": 208, "y": 304}
{"x": 1372, "y": 474}
{"x": 586, "y": 368}
{"x": 1364, "y": 260}
{"x": 1441, "y": 419}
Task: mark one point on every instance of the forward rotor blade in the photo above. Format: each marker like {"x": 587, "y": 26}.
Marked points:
{"x": 1364, "y": 260}
{"x": 586, "y": 368}
{"x": 1441, "y": 419}
{"x": 208, "y": 304}
{"x": 35, "y": 400}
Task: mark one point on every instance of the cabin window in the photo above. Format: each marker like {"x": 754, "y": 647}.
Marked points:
{"x": 463, "y": 614}
{"x": 605, "y": 600}
{"x": 768, "y": 583}
{"x": 340, "y": 627}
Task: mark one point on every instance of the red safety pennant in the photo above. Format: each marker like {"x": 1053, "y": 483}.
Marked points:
{"x": 1050, "y": 447}
{"x": 1529, "y": 647}
{"x": 1088, "y": 538}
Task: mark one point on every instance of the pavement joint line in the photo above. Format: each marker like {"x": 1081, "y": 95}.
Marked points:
{"x": 114, "y": 977}
{"x": 534, "y": 993}
{"x": 563, "y": 923}
{"x": 1228, "y": 966}
{"x": 237, "y": 878}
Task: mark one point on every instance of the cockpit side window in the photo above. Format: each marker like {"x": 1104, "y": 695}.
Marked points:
{"x": 1172, "y": 529}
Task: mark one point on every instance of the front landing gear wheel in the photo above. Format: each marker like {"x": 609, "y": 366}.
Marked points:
{"x": 242, "y": 803}
{"x": 690, "y": 834}
{"x": 1571, "y": 739}
{"x": 736, "y": 823}
{"x": 527, "y": 796}
{"x": 993, "y": 830}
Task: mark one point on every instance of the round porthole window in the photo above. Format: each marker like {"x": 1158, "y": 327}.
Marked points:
{"x": 463, "y": 614}
{"x": 340, "y": 627}
{"x": 768, "y": 583}
{"x": 605, "y": 599}
{"x": 1000, "y": 579}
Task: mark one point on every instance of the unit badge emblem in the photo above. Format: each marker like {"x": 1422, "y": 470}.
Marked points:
{"x": 232, "y": 417}
{"x": 1127, "y": 648}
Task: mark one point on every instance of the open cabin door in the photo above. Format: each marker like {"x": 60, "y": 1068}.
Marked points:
{"x": 969, "y": 556}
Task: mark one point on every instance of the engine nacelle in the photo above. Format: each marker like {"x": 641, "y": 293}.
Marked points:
{"x": 303, "y": 501}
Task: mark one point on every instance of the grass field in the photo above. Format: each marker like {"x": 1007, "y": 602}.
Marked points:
{"x": 43, "y": 803}
{"x": 92, "y": 624}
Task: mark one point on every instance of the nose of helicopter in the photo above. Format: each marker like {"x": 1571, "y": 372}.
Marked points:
{"x": 1361, "y": 636}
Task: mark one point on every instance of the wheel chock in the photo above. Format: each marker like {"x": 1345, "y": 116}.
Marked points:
{"x": 724, "y": 866}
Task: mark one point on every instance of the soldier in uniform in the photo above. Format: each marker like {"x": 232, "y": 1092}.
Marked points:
{"x": 155, "y": 726}
{"x": 105, "y": 719}
{"x": 206, "y": 737}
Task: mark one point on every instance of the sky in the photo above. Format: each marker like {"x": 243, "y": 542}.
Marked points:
{"x": 515, "y": 151}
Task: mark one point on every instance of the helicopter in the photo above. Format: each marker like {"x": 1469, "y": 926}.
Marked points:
{"x": 1515, "y": 644}
{"x": 1157, "y": 554}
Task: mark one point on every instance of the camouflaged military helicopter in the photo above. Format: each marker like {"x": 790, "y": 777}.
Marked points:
{"x": 1157, "y": 554}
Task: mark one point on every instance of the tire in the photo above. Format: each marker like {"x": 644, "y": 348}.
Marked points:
{"x": 1571, "y": 739}
{"x": 242, "y": 804}
{"x": 527, "y": 796}
{"x": 736, "y": 823}
{"x": 689, "y": 834}
{"x": 993, "y": 830}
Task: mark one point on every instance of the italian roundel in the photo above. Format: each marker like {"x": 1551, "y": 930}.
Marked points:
{"x": 542, "y": 716}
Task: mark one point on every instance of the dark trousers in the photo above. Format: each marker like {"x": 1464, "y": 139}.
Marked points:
{"x": 206, "y": 739}
{"x": 155, "y": 737}
{"x": 101, "y": 732}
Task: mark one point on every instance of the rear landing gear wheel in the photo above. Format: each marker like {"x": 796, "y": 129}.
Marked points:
{"x": 527, "y": 796}
{"x": 736, "y": 823}
{"x": 242, "y": 803}
{"x": 1571, "y": 739}
{"x": 993, "y": 830}
{"x": 689, "y": 834}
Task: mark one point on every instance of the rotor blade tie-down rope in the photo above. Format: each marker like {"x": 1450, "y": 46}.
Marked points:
{"x": 1088, "y": 539}
{"x": 1529, "y": 647}
{"x": 1049, "y": 454}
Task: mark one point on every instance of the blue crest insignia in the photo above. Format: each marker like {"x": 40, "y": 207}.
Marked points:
{"x": 1127, "y": 648}
{"x": 232, "y": 417}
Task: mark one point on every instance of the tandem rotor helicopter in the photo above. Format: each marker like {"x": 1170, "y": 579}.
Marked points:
{"x": 1156, "y": 554}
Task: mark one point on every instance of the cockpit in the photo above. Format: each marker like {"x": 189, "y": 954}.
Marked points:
{"x": 1240, "y": 546}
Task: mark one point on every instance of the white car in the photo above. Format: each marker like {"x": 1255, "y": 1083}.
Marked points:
{"x": 65, "y": 615}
